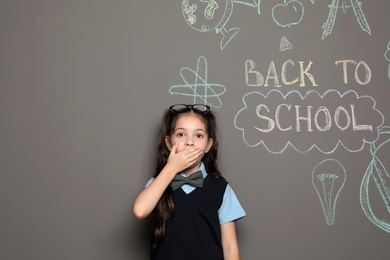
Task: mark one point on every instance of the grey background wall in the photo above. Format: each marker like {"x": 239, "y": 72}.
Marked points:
{"x": 83, "y": 85}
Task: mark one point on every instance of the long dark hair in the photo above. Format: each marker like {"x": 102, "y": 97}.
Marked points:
{"x": 163, "y": 211}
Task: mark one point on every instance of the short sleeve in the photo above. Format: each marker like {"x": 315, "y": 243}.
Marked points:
{"x": 149, "y": 182}
{"x": 231, "y": 209}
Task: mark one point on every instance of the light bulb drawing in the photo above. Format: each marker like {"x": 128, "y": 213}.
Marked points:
{"x": 328, "y": 179}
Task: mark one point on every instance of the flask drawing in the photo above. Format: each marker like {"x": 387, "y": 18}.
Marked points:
{"x": 328, "y": 179}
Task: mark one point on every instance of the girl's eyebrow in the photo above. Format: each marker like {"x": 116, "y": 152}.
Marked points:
{"x": 184, "y": 129}
{"x": 180, "y": 128}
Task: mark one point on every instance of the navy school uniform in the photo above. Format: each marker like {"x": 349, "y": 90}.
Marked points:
{"x": 194, "y": 232}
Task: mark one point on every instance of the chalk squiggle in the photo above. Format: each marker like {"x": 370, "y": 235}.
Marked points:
{"x": 387, "y": 57}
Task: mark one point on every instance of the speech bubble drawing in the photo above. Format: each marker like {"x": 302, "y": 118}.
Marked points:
{"x": 308, "y": 121}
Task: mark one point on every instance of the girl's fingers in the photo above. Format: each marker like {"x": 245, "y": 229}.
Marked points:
{"x": 174, "y": 148}
{"x": 195, "y": 155}
{"x": 185, "y": 158}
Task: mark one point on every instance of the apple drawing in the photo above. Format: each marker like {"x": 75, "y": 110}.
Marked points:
{"x": 287, "y": 14}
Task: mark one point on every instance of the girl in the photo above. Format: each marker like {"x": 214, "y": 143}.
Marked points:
{"x": 193, "y": 208}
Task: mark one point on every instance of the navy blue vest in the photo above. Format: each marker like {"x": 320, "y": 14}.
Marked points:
{"x": 194, "y": 232}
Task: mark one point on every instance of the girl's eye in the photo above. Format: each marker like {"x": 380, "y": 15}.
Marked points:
{"x": 199, "y": 135}
{"x": 179, "y": 134}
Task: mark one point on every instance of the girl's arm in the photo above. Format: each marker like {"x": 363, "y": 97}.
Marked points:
{"x": 149, "y": 197}
{"x": 229, "y": 241}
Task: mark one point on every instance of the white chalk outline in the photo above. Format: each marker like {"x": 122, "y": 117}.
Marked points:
{"x": 289, "y": 143}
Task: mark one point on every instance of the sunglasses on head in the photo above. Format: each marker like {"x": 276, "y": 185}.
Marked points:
{"x": 199, "y": 108}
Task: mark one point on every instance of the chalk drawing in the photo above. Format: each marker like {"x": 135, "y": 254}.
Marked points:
{"x": 387, "y": 57}
{"x": 333, "y": 8}
{"x": 377, "y": 172}
{"x": 284, "y": 44}
{"x": 357, "y": 65}
{"x": 278, "y": 121}
{"x": 197, "y": 86}
{"x": 328, "y": 179}
{"x": 289, "y": 13}
{"x": 209, "y": 15}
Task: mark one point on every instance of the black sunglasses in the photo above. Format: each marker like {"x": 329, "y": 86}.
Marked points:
{"x": 199, "y": 108}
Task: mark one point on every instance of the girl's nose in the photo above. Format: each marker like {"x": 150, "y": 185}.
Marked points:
{"x": 189, "y": 142}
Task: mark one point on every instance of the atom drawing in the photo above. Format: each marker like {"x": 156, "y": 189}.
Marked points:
{"x": 196, "y": 86}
